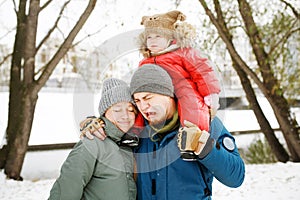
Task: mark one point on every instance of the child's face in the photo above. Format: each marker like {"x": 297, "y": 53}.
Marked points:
{"x": 156, "y": 42}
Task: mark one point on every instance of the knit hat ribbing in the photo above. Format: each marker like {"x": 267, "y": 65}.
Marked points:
{"x": 152, "y": 78}
{"x": 113, "y": 91}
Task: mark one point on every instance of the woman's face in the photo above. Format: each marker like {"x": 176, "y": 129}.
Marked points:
{"x": 122, "y": 115}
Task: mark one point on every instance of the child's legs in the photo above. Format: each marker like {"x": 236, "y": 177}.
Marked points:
{"x": 193, "y": 109}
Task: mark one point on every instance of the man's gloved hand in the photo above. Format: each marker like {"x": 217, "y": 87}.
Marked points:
{"x": 212, "y": 101}
{"x": 92, "y": 126}
{"x": 191, "y": 141}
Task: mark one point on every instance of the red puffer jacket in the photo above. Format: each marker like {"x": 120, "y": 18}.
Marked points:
{"x": 193, "y": 79}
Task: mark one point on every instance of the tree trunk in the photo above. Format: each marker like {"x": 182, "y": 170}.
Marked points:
{"x": 271, "y": 88}
{"x": 19, "y": 129}
{"x": 275, "y": 145}
{"x": 15, "y": 86}
{"x": 287, "y": 124}
{"x": 24, "y": 88}
{"x": 3, "y": 156}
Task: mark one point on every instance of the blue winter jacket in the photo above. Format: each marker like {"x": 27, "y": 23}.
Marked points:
{"x": 163, "y": 175}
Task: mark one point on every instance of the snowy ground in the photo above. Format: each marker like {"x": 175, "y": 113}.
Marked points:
{"x": 275, "y": 181}
{"x": 56, "y": 121}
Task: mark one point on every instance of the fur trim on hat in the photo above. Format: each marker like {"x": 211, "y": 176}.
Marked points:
{"x": 185, "y": 35}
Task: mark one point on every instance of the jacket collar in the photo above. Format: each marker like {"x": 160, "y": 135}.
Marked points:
{"x": 112, "y": 131}
{"x": 160, "y": 133}
{"x": 171, "y": 48}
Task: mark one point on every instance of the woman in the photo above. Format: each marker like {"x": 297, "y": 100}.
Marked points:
{"x": 102, "y": 169}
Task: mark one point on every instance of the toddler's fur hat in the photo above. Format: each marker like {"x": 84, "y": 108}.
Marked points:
{"x": 164, "y": 21}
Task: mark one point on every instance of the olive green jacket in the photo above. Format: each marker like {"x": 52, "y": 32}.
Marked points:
{"x": 97, "y": 170}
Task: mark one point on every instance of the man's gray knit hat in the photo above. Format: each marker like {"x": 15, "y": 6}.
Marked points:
{"x": 152, "y": 78}
{"x": 113, "y": 91}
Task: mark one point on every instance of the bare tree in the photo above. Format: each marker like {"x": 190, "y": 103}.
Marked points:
{"x": 25, "y": 84}
{"x": 264, "y": 77}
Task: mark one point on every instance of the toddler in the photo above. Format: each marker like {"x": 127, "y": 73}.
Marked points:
{"x": 169, "y": 44}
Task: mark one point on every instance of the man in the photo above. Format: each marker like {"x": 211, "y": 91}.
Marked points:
{"x": 162, "y": 173}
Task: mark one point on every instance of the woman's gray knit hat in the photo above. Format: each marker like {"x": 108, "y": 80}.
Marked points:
{"x": 113, "y": 91}
{"x": 152, "y": 78}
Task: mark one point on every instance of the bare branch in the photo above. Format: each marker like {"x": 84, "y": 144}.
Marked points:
{"x": 257, "y": 45}
{"x": 54, "y": 25}
{"x": 89, "y": 35}
{"x": 45, "y": 5}
{"x": 40, "y": 70}
{"x": 284, "y": 38}
{"x": 230, "y": 46}
{"x": 15, "y": 6}
{"x": 297, "y": 15}
{"x": 177, "y": 3}
{"x": 5, "y": 58}
{"x": 61, "y": 32}
{"x": 8, "y": 32}
{"x": 64, "y": 47}
{"x": 235, "y": 27}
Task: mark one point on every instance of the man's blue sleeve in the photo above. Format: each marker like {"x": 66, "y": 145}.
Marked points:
{"x": 224, "y": 161}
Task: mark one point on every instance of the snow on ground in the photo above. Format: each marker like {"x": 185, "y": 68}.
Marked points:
{"x": 270, "y": 181}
